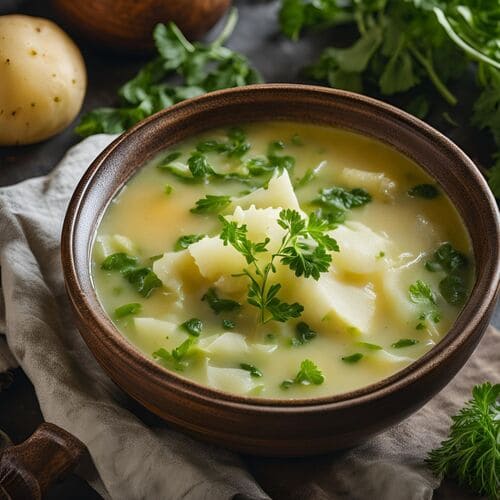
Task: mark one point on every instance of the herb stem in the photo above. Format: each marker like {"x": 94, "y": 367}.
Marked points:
{"x": 438, "y": 83}
{"x": 182, "y": 39}
{"x": 228, "y": 29}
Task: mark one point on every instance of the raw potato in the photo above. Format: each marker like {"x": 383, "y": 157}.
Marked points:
{"x": 42, "y": 79}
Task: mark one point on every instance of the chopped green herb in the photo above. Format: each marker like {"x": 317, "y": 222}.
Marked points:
{"x": 154, "y": 258}
{"x": 227, "y": 324}
{"x": 380, "y": 255}
{"x": 254, "y": 371}
{"x": 182, "y": 350}
{"x": 168, "y": 189}
{"x": 447, "y": 258}
{"x": 235, "y": 146}
{"x": 211, "y": 204}
{"x": 404, "y": 343}
{"x": 217, "y": 304}
{"x": 184, "y": 241}
{"x": 193, "y": 326}
{"x": 198, "y": 166}
{"x": 342, "y": 198}
{"x": 420, "y": 326}
{"x": 427, "y": 191}
{"x": 367, "y": 345}
{"x": 353, "y": 358}
{"x": 176, "y": 358}
{"x": 305, "y": 179}
{"x": 421, "y": 293}
{"x": 471, "y": 452}
{"x": 127, "y": 310}
{"x": 143, "y": 279}
{"x": 308, "y": 374}
{"x": 454, "y": 289}
{"x": 303, "y": 334}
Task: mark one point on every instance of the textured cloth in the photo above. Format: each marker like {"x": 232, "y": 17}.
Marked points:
{"x": 134, "y": 460}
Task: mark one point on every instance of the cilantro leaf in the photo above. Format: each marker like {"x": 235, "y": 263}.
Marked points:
{"x": 342, "y": 198}
{"x": 211, "y": 204}
{"x": 199, "y": 166}
{"x": 447, "y": 258}
{"x": 217, "y": 304}
{"x": 184, "y": 241}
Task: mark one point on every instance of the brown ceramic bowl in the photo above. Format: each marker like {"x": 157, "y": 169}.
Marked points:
{"x": 281, "y": 427}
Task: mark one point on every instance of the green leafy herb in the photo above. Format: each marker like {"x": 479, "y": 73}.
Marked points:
{"x": 199, "y": 67}
{"x": 367, "y": 345}
{"x": 127, "y": 310}
{"x": 303, "y": 249}
{"x": 409, "y": 45}
{"x": 254, "y": 371}
{"x": 471, "y": 454}
{"x": 211, "y": 204}
{"x": 219, "y": 305}
{"x": 303, "y": 334}
{"x": 421, "y": 293}
{"x": 454, "y": 286}
{"x": 353, "y": 358}
{"x": 309, "y": 374}
{"x": 167, "y": 189}
{"x": 143, "y": 279}
{"x": 184, "y": 241}
{"x": 177, "y": 358}
{"x": 427, "y": 191}
{"x": 236, "y": 144}
{"x": 227, "y": 324}
{"x": 342, "y": 198}
{"x": 198, "y": 166}
{"x": 404, "y": 343}
{"x": 193, "y": 326}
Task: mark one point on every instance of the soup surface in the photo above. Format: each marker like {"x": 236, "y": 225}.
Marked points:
{"x": 282, "y": 260}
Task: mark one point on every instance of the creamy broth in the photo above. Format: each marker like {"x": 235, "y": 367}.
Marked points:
{"x": 383, "y": 302}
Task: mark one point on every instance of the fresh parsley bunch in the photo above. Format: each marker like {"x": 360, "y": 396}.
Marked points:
{"x": 471, "y": 454}
{"x": 409, "y": 44}
{"x": 200, "y": 67}
{"x": 304, "y": 248}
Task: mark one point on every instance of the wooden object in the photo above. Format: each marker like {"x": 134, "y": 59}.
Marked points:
{"x": 30, "y": 468}
{"x": 127, "y": 25}
{"x": 272, "y": 426}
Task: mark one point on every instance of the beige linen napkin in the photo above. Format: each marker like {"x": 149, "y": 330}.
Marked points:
{"x": 136, "y": 461}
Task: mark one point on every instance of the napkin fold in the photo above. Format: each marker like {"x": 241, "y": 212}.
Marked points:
{"x": 133, "y": 460}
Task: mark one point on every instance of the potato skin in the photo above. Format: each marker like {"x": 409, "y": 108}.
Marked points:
{"x": 42, "y": 79}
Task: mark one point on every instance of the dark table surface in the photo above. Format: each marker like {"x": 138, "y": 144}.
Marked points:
{"x": 278, "y": 60}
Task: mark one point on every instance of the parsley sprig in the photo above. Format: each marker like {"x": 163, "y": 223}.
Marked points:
{"x": 309, "y": 374}
{"x": 471, "y": 454}
{"x": 304, "y": 249}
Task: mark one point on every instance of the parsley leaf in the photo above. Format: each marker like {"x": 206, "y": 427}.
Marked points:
{"x": 303, "y": 334}
{"x": 219, "y": 305}
{"x": 309, "y": 374}
{"x": 254, "y": 371}
{"x": 199, "y": 166}
{"x": 342, "y": 198}
{"x": 193, "y": 326}
{"x": 447, "y": 258}
{"x": 143, "y": 279}
{"x": 470, "y": 453}
{"x": 127, "y": 310}
{"x": 421, "y": 293}
{"x": 353, "y": 358}
{"x": 198, "y": 67}
{"x": 235, "y": 146}
{"x": 427, "y": 191}
{"x": 184, "y": 241}
{"x": 227, "y": 324}
{"x": 404, "y": 343}
{"x": 177, "y": 358}
{"x": 211, "y": 204}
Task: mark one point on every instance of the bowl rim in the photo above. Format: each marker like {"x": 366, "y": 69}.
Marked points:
{"x": 146, "y": 367}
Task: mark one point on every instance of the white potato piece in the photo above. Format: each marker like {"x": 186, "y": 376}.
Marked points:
{"x": 177, "y": 270}
{"x": 378, "y": 184}
{"x": 359, "y": 248}
{"x": 42, "y": 79}
{"x": 214, "y": 259}
{"x": 107, "y": 245}
{"x": 154, "y": 333}
{"x": 330, "y": 304}
{"x": 229, "y": 379}
{"x": 385, "y": 361}
{"x": 279, "y": 194}
{"x": 228, "y": 345}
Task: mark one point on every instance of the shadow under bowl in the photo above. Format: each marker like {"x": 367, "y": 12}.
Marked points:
{"x": 265, "y": 426}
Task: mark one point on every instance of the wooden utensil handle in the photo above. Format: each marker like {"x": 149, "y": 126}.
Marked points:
{"x": 28, "y": 469}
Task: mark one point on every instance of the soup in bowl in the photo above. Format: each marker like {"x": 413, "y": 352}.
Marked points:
{"x": 286, "y": 283}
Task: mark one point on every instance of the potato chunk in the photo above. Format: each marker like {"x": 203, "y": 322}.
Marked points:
{"x": 42, "y": 77}
{"x": 376, "y": 183}
{"x": 229, "y": 379}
